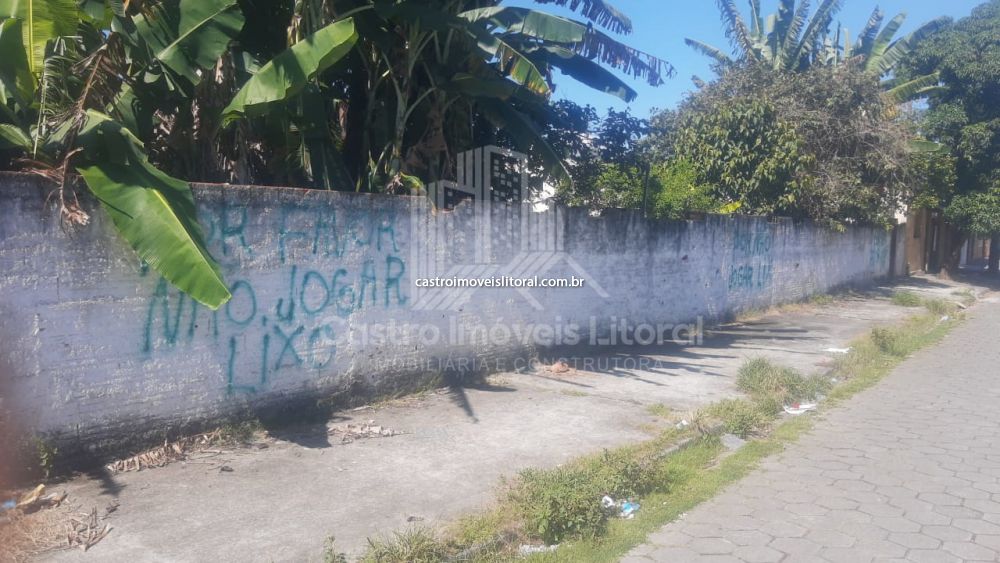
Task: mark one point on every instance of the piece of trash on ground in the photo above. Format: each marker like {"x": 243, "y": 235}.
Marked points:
{"x": 682, "y": 424}
{"x": 838, "y": 350}
{"x": 350, "y": 432}
{"x": 527, "y": 549}
{"x": 626, "y": 509}
{"x": 799, "y": 408}
{"x": 629, "y": 509}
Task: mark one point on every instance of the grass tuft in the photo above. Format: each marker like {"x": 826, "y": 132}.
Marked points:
{"x": 906, "y": 299}
{"x": 660, "y": 410}
{"x": 742, "y": 417}
{"x": 762, "y": 379}
{"x": 415, "y": 545}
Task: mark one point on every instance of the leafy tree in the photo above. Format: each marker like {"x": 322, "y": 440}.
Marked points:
{"x": 964, "y": 115}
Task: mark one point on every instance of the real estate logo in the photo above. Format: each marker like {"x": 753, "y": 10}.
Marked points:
{"x": 509, "y": 240}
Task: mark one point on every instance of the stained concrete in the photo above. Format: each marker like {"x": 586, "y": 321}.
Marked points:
{"x": 282, "y": 502}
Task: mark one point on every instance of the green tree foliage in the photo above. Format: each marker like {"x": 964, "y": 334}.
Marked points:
{"x": 744, "y": 151}
{"x": 978, "y": 213}
{"x": 823, "y": 143}
{"x": 677, "y": 192}
{"x": 964, "y": 116}
{"x": 965, "y": 113}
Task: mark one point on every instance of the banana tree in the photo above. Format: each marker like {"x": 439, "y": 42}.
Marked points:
{"x": 436, "y": 68}
{"x": 792, "y": 40}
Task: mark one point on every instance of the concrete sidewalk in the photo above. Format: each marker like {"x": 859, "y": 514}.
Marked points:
{"x": 906, "y": 471}
{"x": 281, "y": 502}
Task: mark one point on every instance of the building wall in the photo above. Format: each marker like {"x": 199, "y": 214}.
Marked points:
{"x": 96, "y": 350}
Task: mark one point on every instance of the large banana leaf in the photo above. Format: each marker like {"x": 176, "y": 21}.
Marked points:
{"x": 512, "y": 62}
{"x": 42, "y": 20}
{"x": 190, "y": 35}
{"x": 598, "y": 11}
{"x": 16, "y": 80}
{"x": 154, "y": 212}
{"x": 921, "y": 86}
{"x": 882, "y": 42}
{"x": 587, "y": 72}
{"x": 13, "y": 137}
{"x": 292, "y": 69}
{"x": 895, "y": 52}
{"x": 542, "y": 29}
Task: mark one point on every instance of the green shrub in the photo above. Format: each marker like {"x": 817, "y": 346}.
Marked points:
{"x": 562, "y": 503}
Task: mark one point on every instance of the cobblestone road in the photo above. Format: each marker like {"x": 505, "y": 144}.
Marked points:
{"x": 906, "y": 471}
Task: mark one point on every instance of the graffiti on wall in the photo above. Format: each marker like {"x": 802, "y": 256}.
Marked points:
{"x": 752, "y": 266}
{"x": 296, "y": 278}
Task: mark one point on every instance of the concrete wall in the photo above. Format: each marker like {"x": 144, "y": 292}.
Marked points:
{"x": 96, "y": 349}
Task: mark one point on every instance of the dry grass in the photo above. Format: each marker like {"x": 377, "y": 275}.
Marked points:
{"x": 26, "y": 536}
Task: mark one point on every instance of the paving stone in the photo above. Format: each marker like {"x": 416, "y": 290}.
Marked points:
{"x": 901, "y": 472}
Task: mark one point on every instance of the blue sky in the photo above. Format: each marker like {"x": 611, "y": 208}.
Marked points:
{"x": 660, "y": 27}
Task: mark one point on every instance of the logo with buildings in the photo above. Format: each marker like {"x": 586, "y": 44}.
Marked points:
{"x": 508, "y": 241}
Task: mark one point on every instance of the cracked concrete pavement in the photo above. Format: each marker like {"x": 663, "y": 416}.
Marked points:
{"x": 282, "y": 502}
{"x": 908, "y": 470}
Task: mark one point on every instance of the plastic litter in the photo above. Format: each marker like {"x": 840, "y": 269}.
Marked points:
{"x": 626, "y": 509}
{"x": 682, "y": 424}
{"x": 838, "y": 350}
{"x": 799, "y": 408}
{"x": 608, "y": 502}
{"x": 8, "y": 505}
{"x": 629, "y": 509}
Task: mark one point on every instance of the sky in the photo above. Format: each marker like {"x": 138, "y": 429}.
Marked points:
{"x": 660, "y": 27}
